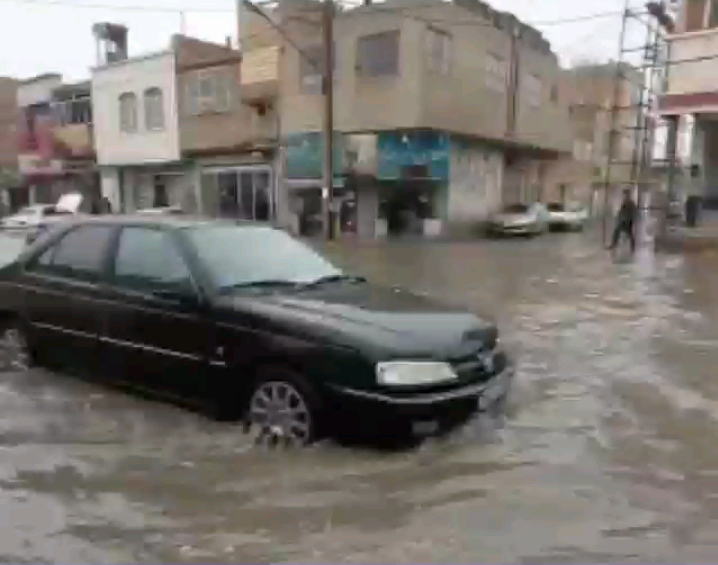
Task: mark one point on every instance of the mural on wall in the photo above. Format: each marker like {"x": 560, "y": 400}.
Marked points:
{"x": 399, "y": 151}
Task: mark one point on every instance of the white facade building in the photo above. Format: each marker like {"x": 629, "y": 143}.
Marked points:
{"x": 137, "y": 133}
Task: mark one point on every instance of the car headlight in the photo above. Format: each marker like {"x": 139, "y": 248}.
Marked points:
{"x": 413, "y": 373}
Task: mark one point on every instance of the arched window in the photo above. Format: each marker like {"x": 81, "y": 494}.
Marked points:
{"x": 128, "y": 112}
{"x": 154, "y": 109}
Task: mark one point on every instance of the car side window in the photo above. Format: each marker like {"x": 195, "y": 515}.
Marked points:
{"x": 79, "y": 254}
{"x": 149, "y": 260}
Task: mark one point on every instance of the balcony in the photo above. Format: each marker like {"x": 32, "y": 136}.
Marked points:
{"x": 691, "y": 86}
{"x": 75, "y": 140}
{"x": 260, "y": 76}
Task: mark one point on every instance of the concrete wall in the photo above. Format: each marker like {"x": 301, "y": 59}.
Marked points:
{"x": 115, "y": 147}
{"x": 476, "y": 177}
{"x": 37, "y": 90}
{"x": 693, "y": 76}
{"x": 460, "y": 101}
{"x": 361, "y": 103}
{"x": 9, "y": 116}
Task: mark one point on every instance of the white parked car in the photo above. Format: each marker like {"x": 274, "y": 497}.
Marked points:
{"x": 520, "y": 219}
{"x": 67, "y": 207}
{"x": 161, "y": 211}
{"x": 31, "y": 216}
{"x": 571, "y": 216}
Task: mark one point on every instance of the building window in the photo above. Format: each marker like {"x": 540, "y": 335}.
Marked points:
{"x": 582, "y": 150}
{"x": 495, "y": 72}
{"x": 554, "y": 93}
{"x": 154, "y": 109}
{"x": 378, "y": 54}
{"x": 128, "y": 112}
{"x": 532, "y": 89}
{"x": 311, "y": 69}
{"x": 73, "y": 111}
{"x": 209, "y": 91}
{"x": 159, "y": 193}
{"x": 439, "y": 50}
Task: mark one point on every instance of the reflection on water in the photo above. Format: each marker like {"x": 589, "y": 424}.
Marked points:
{"x": 607, "y": 453}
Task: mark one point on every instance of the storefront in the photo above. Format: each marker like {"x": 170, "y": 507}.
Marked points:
{"x": 413, "y": 176}
{"x": 244, "y": 192}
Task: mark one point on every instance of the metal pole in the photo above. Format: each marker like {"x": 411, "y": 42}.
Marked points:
{"x": 328, "y": 89}
{"x": 240, "y": 24}
{"x": 612, "y": 124}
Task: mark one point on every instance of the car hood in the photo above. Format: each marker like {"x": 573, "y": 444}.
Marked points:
{"x": 20, "y": 220}
{"x": 383, "y": 322}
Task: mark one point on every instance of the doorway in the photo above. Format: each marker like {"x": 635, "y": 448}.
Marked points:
{"x": 405, "y": 207}
{"x": 244, "y": 193}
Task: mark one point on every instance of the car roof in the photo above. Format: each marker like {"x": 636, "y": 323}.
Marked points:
{"x": 169, "y": 220}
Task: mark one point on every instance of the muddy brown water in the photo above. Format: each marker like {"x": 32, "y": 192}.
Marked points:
{"x": 608, "y": 451}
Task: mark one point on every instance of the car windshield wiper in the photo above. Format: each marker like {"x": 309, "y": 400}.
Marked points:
{"x": 332, "y": 279}
{"x": 268, "y": 283}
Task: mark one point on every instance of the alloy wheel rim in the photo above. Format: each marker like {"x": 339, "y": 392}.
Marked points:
{"x": 281, "y": 414}
{"x": 16, "y": 351}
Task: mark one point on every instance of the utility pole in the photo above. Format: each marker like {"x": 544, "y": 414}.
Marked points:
{"x": 328, "y": 91}
{"x": 240, "y": 24}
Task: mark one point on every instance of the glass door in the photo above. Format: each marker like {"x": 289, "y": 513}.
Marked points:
{"x": 243, "y": 193}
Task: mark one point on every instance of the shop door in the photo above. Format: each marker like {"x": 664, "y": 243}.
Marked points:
{"x": 255, "y": 198}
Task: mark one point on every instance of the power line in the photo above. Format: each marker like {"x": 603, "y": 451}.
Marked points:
{"x": 122, "y": 7}
{"x": 193, "y": 9}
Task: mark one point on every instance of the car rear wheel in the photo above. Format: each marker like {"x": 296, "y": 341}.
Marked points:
{"x": 16, "y": 353}
{"x": 283, "y": 410}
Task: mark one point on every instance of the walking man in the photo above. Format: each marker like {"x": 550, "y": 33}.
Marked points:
{"x": 625, "y": 222}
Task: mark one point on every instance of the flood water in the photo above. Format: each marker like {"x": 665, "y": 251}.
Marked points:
{"x": 607, "y": 453}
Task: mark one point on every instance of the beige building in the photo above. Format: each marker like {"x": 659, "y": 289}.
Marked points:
{"x": 9, "y": 117}
{"x": 443, "y": 116}
{"x": 690, "y": 103}
{"x": 589, "y": 91}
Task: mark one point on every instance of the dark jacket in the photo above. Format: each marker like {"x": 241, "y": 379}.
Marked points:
{"x": 628, "y": 213}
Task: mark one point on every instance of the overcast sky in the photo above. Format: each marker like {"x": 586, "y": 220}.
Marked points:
{"x": 39, "y": 36}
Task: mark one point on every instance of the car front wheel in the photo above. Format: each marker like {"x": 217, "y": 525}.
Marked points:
{"x": 283, "y": 410}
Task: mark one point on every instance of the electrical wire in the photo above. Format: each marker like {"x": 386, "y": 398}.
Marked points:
{"x": 198, "y": 9}
{"x": 124, "y": 7}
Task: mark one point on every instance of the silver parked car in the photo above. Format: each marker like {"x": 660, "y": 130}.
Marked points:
{"x": 570, "y": 216}
{"x": 519, "y": 219}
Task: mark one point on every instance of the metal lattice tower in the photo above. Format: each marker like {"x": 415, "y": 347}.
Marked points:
{"x": 645, "y": 79}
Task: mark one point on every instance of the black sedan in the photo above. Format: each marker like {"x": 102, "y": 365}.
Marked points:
{"x": 247, "y": 321}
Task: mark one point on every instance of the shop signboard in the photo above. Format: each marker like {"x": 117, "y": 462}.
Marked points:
{"x": 427, "y": 151}
{"x": 305, "y": 156}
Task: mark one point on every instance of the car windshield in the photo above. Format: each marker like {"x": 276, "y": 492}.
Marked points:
{"x": 555, "y": 207}
{"x": 237, "y": 256}
{"x": 516, "y": 209}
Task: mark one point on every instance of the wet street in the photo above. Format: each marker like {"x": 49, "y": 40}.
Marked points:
{"x": 607, "y": 454}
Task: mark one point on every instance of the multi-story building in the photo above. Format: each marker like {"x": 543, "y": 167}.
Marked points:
{"x": 172, "y": 130}
{"x": 54, "y": 137}
{"x": 690, "y": 103}
{"x": 8, "y": 140}
{"x": 589, "y": 91}
{"x": 228, "y": 132}
{"x": 443, "y": 111}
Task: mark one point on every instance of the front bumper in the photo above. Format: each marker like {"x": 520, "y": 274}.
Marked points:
{"x": 520, "y": 229}
{"x": 463, "y": 400}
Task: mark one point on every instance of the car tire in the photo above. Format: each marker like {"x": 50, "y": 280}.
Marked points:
{"x": 17, "y": 354}
{"x": 283, "y": 409}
